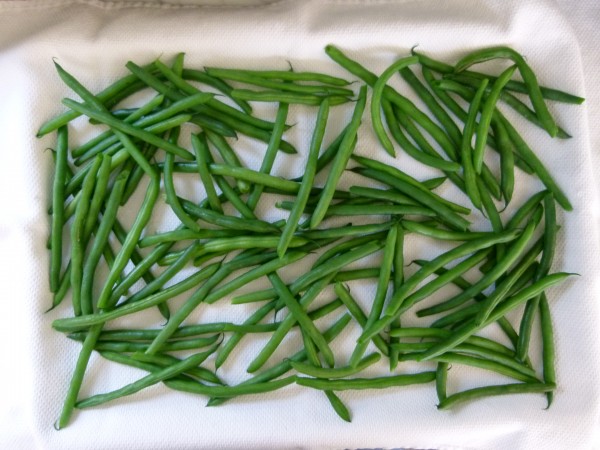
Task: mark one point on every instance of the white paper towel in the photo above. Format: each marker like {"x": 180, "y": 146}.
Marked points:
{"x": 94, "y": 40}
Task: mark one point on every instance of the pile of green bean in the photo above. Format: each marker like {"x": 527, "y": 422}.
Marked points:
{"x": 222, "y": 243}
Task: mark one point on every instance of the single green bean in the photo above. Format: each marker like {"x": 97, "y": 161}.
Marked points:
{"x": 487, "y": 112}
{"x": 58, "y": 207}
{"x": 270, "y": 153}
{"x": 148, "y": 380}
{"x": 340, "y": 161}
{"x": 307, "y": 180}
{"x": 467, "y": 156}
{"x": 377, "y": 96}
{"x": 366, "y": 383}
{"x": 488, "y": 391}
{"x": 78, "y": 241}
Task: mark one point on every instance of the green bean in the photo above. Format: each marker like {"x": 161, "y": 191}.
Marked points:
{"x": 355, "y": 310}
{"x": 507, "y": 160}
{"x": 447, "y": 277}
{"x": 217, "y": 109}
{"x": 467, "y": 94}
{"x": 549, "y": 242}
{"x": 98, "y": 198}
{"x": 467, "y": 155}
{"x": 174, "y": 346}
{"x": 245, "y": 77}
{"x": 184, "y": 234}
{"x": 77, "y": 323}
{"x": 374, "y": 209}
{"x": 487, "y": 391}
{"x": 472, "y": 327}
{"x": 130, "y": 243}
{"x": 438, "y": 233}
{"x": 383, "y": 282}
{"x": 129, "y": 361}
{"x": 285, "y": 366}
{"x": 202, "y": 159}
{"x": 340, "y": 161}
{"x": 472, "y": 310}
{"x": 338, "y": 372}
{"x": 433, "y": 64}
{"x": 529, "y": 79}
{"x": 279, "y": 96}
{"x": 284, "y": 75}
{"x": 382, "y": 194}
{"x": 172, "y": 198}
{"x": 200, "y": 295}
{"x": 112, "y": 145}
{"x": 146, "y": 381}
{"x": 108, "y": 95}
{"x": 498, "y": 270}
{"x": 508, "y": 98}
{"x": 513, "y": 85}
{"x": 437, "y": 333}
{"x": 265, "y": 269}
{"x": 229, "y": 391}
{"x": 78, "y": 241}
{"x": 165, "y": 276}
{"x": 377, "y": 96}
{"x": 441, "y": 379}
{"x": 490, "y": 209}
{"x": 487, "y": 111}
{"x": 178, "y": 80}
{"x": 548, "y": 352}
{"x": 329, "y": 153}
{"x": 396, "y": 304}
{"x": 338, "y": 406}
{"x": 58, "y": 209}
{"x": 229, "y": 222}
{"x": 270, "y": 153}
{"x": 217, "y": 83}
{"x": 303, "y": 319}
{"x": 366, "y": 383}
{"x": 439, "y": 113}
{"x": 346, "y": 231}
{"x": 481, "y": 363}
{"x": 63, "y": 287}
{"x": 228, "y": 156}
{"x": 397, "y": 280}
{"x": 427, "y": 199}
{"x": 307, "y": 179}
{"x": 127, "y": 128}
{"x": 249, "y": 175}
{"x": 306, "y": 280}
{"x": 287, "y": 324}
{"x": 405, "y": 178}
{"x": 347, "y": 245}
{"x": 430, "y": 158}
{"x": 530, "y": 158}
{"x": 165, "y": 360}
{"x": 100, "y": 241}
{"x": 77, "y": 377}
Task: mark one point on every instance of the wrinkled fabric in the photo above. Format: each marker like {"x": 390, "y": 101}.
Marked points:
{"x": 93, "y": 40}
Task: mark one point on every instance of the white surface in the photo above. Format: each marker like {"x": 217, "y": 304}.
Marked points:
{"x": 94, "y": 39}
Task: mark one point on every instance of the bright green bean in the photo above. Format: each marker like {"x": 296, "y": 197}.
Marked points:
{"x": 366, "y": 383}
{"x": 307, "y": 179}
{"x": 488, "y": 391}
{"x": 340, "y": 161}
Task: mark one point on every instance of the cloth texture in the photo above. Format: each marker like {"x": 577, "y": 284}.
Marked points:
{"x": 94, "y": 40}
